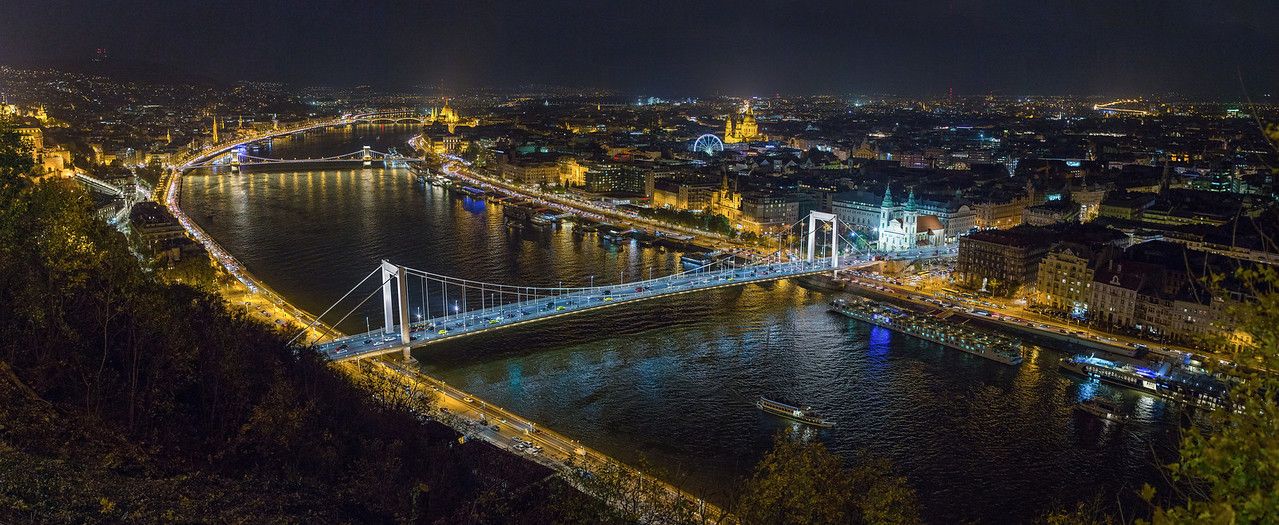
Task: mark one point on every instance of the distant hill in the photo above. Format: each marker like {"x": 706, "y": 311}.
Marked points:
{"x": 140, "y": 71}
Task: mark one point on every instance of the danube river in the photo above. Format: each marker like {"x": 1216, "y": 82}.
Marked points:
{"x": 670, "y": 384}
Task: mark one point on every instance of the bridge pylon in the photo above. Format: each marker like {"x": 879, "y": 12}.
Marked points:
{"x": 825, "y": 218}
{"x": 398, "y": 275}
{"x": 367, "y": 157}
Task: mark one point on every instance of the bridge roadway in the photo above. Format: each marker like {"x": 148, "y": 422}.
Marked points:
{"x": 445, "y": 328}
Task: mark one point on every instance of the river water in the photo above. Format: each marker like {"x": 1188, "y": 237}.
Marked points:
{"x": 670, "y": 384}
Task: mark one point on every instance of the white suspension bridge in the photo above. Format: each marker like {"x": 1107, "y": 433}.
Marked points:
{"x": 445, "y": 308}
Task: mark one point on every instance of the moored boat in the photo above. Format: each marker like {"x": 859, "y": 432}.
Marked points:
{"x": 695, "y": 260}
{"x": 1160, "y": 378}
{"x": 981, "y": 343}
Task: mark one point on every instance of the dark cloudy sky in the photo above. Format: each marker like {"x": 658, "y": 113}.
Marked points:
{"x": 744, "y": 47}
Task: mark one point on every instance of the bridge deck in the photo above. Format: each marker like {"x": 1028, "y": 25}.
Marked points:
{"x": 446, "y": 328}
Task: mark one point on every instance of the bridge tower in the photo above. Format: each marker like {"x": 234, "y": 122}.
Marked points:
{"x": 398, "y": 275}
{"x": 235, "y": 165}
{"x": 368, "y": 157}
{"x": 827, "y": 219}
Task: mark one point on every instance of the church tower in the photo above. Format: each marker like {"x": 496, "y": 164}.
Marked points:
{"x": 886, "y": 209}
{"x": 748, "y": 129}
{"x": 910, "y": 220}
{"x": 215, "y": 128}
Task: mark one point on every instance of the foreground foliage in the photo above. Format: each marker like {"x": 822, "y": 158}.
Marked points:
{"x": 801, "y": 482}
{"x": 124, "y": 398}
{"x": 1232, "y": 469}
{"x": 132, "y": 400}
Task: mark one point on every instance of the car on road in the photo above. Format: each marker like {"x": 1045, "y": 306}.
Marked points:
{"x": 468, "y": 399}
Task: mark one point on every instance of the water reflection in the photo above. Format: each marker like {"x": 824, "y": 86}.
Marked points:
{"x": 673, "y": 381}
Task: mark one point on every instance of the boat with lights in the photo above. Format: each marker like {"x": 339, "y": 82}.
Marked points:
{"x": 803, "y": 415}
{"x": 1102, "y": 409}
{"x": 995, "y": 347}
{"x": 1167, "y": 380}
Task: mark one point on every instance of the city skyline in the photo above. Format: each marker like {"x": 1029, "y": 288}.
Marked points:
{"x": 753, "y": 263}
{"x": 964, "y": 48}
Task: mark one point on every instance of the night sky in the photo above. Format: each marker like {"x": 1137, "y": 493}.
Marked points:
{"x": 684, "y": 47}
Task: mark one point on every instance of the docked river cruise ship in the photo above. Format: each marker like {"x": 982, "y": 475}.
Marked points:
{"x": 981, "y": 343}
{"x": 1162, "y": 379}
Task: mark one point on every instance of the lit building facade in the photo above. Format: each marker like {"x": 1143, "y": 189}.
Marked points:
{"x": 449, "y": 118}
{"x": 1064, "y": 280}
{"x": 530, "y": 171}
{"x": 742, "y": 128}
{"x": 1001, "y": 261}
{"x": 884, "y": 220}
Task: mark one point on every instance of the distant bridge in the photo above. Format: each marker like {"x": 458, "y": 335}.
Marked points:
{"x": 100, "y": 185}
{"x": 1117, "y": 107}
{"x": 106, "y": 188}
{"x": 366, "y": 157}
{"x": 395, "y": 116}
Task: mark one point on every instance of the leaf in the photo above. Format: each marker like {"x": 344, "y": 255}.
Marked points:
{"x": 1147, "y": 492}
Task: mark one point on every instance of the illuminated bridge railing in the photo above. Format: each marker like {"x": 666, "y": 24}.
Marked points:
{"x": 534, "y": 309}
{"x": 421, "y": 308}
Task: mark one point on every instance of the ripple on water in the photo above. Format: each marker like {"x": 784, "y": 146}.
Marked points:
{"x": 673, "y": 381}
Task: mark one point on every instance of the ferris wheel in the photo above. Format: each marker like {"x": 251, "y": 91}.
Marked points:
{"x": 708, "y": 144}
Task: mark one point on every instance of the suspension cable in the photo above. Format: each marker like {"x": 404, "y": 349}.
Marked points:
{"x": 332, "y": 306}
{"x": 366, "y": 299}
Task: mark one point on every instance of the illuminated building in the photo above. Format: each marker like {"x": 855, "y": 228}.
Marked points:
{"x": 911, "y": 159}
{"x": 530, "y": 170}
{"x": 617, "y": 179}
{"x": 768, "y": 212}
{"x": 1000, "y": 213}
{"x": 1064, "y": 281}
{"x": 682, "y": 195}
{"x": 572, "y": 172}
{"x": 935, "y": 222}
{"x": 1000, "y": 261}
{"x": 154, "y": 224}
{"x": 1051, "y": 212}
{"x": 726, "y": 201}
{"x": 865, "y": 151}
{"x": 13, "y": 110}
{"x": 33, "y": 136}
{"x": 898, "y": 233}
{"x": 1125, "y": 205}
{"x": 1149, "y": 289}
{"x": 442, "y": 143}
{"x": 742, "y": 129}
{"x": 448, "y": 117}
